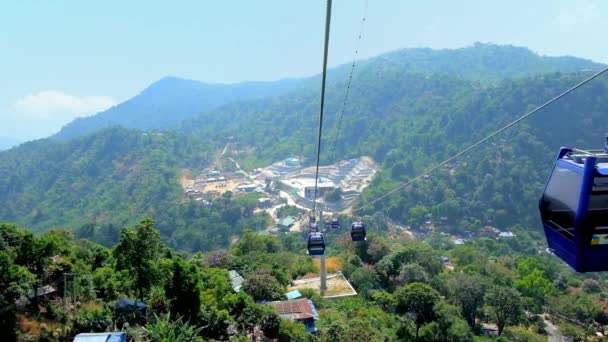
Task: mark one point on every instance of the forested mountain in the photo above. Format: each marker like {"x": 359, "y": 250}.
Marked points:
{"x": 167, "y": 102}
{"x": 405, "y": 119}
{"x": 483, "y": 62}
{"x": 409, "y": 121}
{"x": 100, "y": 182}
{"x": 170, "y": 100}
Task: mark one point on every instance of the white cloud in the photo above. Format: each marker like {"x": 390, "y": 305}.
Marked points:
{"x": 58, "y": 106}
{"x": 42, "y": 114}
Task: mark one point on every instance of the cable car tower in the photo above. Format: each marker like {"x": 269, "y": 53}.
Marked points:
{"x": 316, "y": 240}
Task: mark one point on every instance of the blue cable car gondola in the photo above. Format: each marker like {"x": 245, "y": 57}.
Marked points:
{"x": 313, "y": 228}
{"x": 335, "y": 224}
{"x": 574, "y": 209}
{"x": 357, "y": 232}
{"x": 316, "y": 244}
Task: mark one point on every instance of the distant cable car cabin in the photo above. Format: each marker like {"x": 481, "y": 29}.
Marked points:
{"x": 574, "y": 209}
{"x": 335, "y": 224}
{"x": 357, "y": 232}
{"x": 316, "y": 244}
{"x": 313, "y": 228}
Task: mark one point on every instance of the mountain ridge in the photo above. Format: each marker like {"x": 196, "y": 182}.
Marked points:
{"x": 168, "y": 102}
{"x": 406, "y": 121}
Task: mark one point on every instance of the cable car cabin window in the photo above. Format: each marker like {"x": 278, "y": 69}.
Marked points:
{"x": 561, "y": 200}
{"x": 598, "y": 211}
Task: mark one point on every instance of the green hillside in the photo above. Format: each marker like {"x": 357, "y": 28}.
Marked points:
{"x": 170, "y": 100}
{"x": 403, "y": 119}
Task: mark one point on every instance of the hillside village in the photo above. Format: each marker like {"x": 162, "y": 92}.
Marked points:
{"x": 286, "y": 183}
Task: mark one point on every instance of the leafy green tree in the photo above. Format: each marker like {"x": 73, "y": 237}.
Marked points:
{"x": 333, "y": 330}
{"x": 293, "y": 331}
{"x": 15, "y": 281}
{"x": 373, "y": 250}
{"x": 504, "y": 306}
{"x": 384, "y": 299}
{"x": 333, "y": 196}
{"x": 184, "y": 290}
{"x": 417, "y": 215}
{"x": 137, "y": 252}
{"x": 418, "y": 300}
{"x": 467, "y": 292}
{"x": 216, "y": 323}
{"x": 591, "y": 286}
{"x": 251, "y": 242}
{"x": 219, "y": 259}
{"x": 167, "y": 329}
{"x": 439, "y": 242}
{"x": 410, "y": 273}
{"x": 536, "y": 286}
{"x": 448, "y": 326}
{"x": 106, "y": 283}
{"x": 93, "y": 319}
{"x": 262, "y": 285}
{"x": 364, "y": 280}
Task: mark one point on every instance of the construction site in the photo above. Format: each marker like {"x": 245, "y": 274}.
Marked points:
{"x": 351, "y": 177}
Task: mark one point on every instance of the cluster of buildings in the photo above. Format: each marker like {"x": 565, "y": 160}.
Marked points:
{"x": 350, "y": 176}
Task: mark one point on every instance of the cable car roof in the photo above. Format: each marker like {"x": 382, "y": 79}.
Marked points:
{"x": 577, "y": 159}
{"x": 602, "y": 168}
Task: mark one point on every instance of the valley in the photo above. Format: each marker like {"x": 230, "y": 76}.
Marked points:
{"x": 167, "y": 196}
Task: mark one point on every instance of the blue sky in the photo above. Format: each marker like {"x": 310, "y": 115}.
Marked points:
{"x": 62, "y": 59}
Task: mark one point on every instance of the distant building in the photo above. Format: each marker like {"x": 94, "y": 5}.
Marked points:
{"x": 236, "y": 280}
{"x": 287, "y": 222}
{"x": 101, "y": 337}
{"x": 489, "y": 330}
{"x": 247, "y": 187}
{"x": 293, "y": 162}
{"x": 506, "y": 235}
{"x": 264, "y": 202}
{"x": 295, "y": 294}
{"x": 299, "y": 310}
{"x": 131, "y": 308}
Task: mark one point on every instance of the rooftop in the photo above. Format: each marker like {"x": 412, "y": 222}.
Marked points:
{"x": 302, "y": 183}
{"x": 287, "y": 221}
{"x": 101, "y": 337}
{"x": 337, "y": 286}
{"x": 236, "y": 280}
{"x": 298, "y": 309}
{"x": 293, "y": 294}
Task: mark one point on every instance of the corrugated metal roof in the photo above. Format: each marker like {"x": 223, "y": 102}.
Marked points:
{"x": 298, "y": 309}
{"x": 101, "y": 337}
{"x": 236, "y": 280}
{"x": 287, "y": 221}
{"x": 293, "y": 295}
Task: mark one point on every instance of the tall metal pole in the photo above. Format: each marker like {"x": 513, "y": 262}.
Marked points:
{"x": 65, "y": 291}
{"x": 323, "y": 276}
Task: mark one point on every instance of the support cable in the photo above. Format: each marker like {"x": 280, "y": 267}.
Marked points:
{"x": 466, "y": 150}
{"x": 323, "y": 80}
